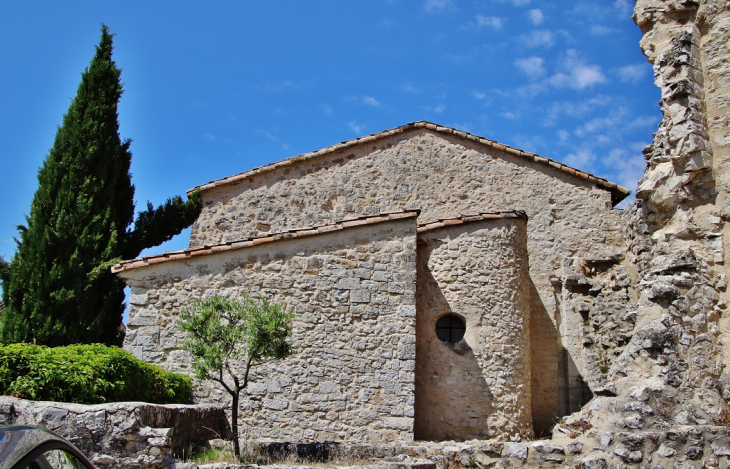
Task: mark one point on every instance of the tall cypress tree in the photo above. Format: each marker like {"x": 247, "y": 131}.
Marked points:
{"x": 60, "y": 289}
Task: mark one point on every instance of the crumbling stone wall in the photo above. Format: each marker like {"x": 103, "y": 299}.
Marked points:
{"x": 353, "y": 293}
{"x": 445, "y": 176}
{"x": 122, "y": 434}
{"x": 479, "y": 387}
{"x": 665, "y": 392}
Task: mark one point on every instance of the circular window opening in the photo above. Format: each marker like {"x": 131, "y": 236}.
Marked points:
{"x": 450, "y": 328}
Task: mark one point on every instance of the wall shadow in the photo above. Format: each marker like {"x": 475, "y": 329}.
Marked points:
{"x": 452, "y": 400}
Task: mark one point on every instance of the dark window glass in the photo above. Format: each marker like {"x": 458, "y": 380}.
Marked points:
{"x": 450, "y": 328}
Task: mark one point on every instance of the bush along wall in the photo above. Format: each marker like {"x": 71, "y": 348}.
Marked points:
{"x": 87, "y": 374}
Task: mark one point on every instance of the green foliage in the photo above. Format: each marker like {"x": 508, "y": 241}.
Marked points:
{"x": 61, "y": 290}
{"x": 86, "y": 374}
{"x": 155, "y": 226}
{"x": 4, "y": 270}
{"x": 221, "y": 331}
{"x": 227, "y": 338}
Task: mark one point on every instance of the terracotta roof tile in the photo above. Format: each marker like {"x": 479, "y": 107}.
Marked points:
{"x": 434, "y": 224}
{"x": 618, "y": 193}
{"x": 268, "y": 238}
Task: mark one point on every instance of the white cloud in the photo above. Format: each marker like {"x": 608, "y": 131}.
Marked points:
{"x": 600, "y": 30}
{"x": 577, "y": 74}
{"x": 563, "y": 135}
{"x": 509, "y": 115}
{"x": 493, "y": 22}
{"x": 582, "y": 159}
{"x": 628, "y": 165}
{"x": 538, "y": 38}
{"x": 536, "y": 16}
{"x": 519, "y": 3}
{"x": 644, "y": 121}
{"x": 209, "y": 136}
{"x": 533, "y": 66}
{"x": 623, "y": 7}
{"x": 433, "y": 6}
{"x": 327, "y": 109}
{"x": 479, "y": 94}
{"x": 439, "y": 109}
{"x": 633, "y": 73}
{"x": 355, "y": 127}
{"x": 370, "y": 101}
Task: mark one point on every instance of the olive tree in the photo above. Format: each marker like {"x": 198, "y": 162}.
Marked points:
{"x": 228, "y": 337}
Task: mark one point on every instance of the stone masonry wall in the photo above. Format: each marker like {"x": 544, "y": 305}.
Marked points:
{"x": 478, "y": 387}
{"x": 444, "y": 176}
{"x": 353, "y": 293}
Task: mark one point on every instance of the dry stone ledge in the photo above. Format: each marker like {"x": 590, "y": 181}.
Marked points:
{"x": 121, "y": 434}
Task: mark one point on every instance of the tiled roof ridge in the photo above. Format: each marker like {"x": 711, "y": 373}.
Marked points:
{"x": 268, "y": 238}
{"x": 618, "y": 192}
{"x": 441, "y": 222}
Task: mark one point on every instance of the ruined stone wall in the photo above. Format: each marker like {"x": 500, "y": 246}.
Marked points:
{"x": 353, "y": 293}
{"x": 478, "y": 387}
{"x": 664, "y": 401}
{"x": 445, "y": 177}
{"x": 122, "y": 434}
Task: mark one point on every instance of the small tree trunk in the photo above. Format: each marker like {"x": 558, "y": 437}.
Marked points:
{"x": 234, "y": 424}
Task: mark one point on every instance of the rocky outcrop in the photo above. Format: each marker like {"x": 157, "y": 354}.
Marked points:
{"x": 122, "y": 434}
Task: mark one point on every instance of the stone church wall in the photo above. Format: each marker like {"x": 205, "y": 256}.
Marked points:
{"x": 479, "y": 387}
{"x": 353, "y": 292}
{"x": 444, "y": 176}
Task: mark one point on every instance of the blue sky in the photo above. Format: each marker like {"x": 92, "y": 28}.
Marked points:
{"x": 215, "y": 89}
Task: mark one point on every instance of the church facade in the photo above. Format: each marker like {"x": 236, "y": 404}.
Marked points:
{"x": 427, "y": 270}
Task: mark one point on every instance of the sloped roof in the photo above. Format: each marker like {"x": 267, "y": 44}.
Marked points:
{"x": 618, "y": 193}
{"x": 269, "y": 238}
{"x": 310, "y": 231}
{"x": 440, "y": 223}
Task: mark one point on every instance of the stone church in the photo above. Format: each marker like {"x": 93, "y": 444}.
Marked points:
{"x": 437, "y": 279}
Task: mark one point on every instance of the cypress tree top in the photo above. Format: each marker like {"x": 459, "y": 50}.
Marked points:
{"x": 60, "y": 289}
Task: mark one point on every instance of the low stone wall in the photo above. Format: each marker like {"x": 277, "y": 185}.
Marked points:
{"x": 122, "y": 434}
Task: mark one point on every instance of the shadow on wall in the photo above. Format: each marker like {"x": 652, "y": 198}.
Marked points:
{"x": 452, "y": 399}
{"x": 558, "y": 389}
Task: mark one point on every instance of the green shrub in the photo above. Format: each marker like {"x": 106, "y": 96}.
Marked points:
{"x": 86, "y": 374}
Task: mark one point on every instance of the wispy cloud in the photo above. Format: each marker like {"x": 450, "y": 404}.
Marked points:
{"x": 209, "y": 136}
{"x": 627, "y": 164}
{"x": 433, "y": 6}
{"x": 409, "y": 87}
{"x": 583, "y": 158}
{"x": 494, "y": 22}
{"x": 536, "y": 16}
{"x": 633, "y": 73}
{"x": 538, "y": 38}
{"x": 355, "y": 127}
{"x": 577, "y": 74}
{"x": 533, "y": 66}
{"x": 370, "y": 101}
{"x": 327, "y": 109}
{"x": 600, "y": 30}
{"x": 272, "y": 138}
{"x": 623, "y": 7}
{"x": 438, "y": 109}
{"x": 284, "y": 85}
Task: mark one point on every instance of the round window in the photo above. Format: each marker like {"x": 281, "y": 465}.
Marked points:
{"x": 450, "y": 328}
